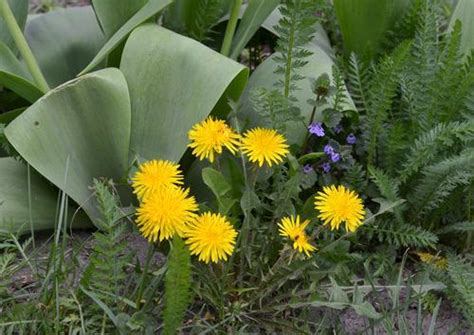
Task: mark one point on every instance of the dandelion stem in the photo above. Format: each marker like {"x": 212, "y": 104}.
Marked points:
{"x": 22, "y": 46}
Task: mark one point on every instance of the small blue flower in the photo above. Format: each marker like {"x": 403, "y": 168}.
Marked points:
{"x": 351, "y": 139}
{"x": 338, "y": 128}
{"x": 335, "y": 157}
{"x": 326, "y": 166}
{"x": 328, "y": 149}
{"x": 316, "y": 128}
{"x": 307, "y": 169}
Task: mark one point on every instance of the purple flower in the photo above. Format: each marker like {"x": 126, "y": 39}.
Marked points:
{"x": 328, "y": 149}
{"x": 351, "y": 139}
{"x": 316, "y": 128}
{"x": 326, "y": 167}
{"x": 307, "y": 168}
{"x": 335, "y": 157}
{"x": 338, "y": 128}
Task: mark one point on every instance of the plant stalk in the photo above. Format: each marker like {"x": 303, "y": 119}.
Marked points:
{"x": 151, "y": 251}
{"x": 22, "y": 46}
{"x": 231, "y": 25}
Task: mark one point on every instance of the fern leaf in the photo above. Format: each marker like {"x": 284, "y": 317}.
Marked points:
{"x": 382, "y": 93}
{"x": 441, "y": 179}
{"x": 177, "y": 286}
{"x": 461, "y": 273}
{"x": 296, "y": 28}
{"x": 358, "y": 76}
{"x": 430, "y": 143}
{"x": 400, "y": 234}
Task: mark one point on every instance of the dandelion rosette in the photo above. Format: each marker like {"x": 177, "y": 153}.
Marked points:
{"x": 337, "y": 205}
{"x": 209, "y": 137}
{"x": 294, "y": 229}
{"x": 211, "y": 237}
{"x": 155, "y": 174}
{"x": 166, "y": 212}
{"x": 264, "y": 146}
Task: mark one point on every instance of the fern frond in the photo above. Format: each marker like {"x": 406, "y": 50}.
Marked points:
{"x": 461, "y": 273}
{"x": 430, "y": 143}
{"x": 358, "y": 76}
{"x": 400, "y": 234}
{"x": 382, "y": 93}
{"x": 206, "y": 14}
{"x": 441, "y": 179}
{"x": 459, "y": 227}
{"x": 106, "y": 271}
{"x": 177, "y": 286}
{"x": 354, "y": 178}
{"x": 340, "y": 89}
{"x": 274, "y": 108}
{"x": 296, "y": 28}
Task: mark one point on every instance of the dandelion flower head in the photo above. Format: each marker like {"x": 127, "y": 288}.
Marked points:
{"x": 209, "y": 137}
{"x": 264, "y": 146}
{"x": 155, "y": 174}
{"x": 294, "y": 229}
{"x": 337, "y": 205}
{"x": 211, "y": 237}
{"x": 166, "y": 212}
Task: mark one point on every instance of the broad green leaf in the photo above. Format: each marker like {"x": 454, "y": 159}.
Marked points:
{"x": 64, "y": 41}
{"x": 254, "y": 16}
{"x": 112, "y": 14}
{"x": 14, "y": 76}
{"x": 216, "y": 182}
{"x": 364, "y": 23}
{"x": 77, "y": 132}
{"x": 14, "y": 202}
{"x": 464, "y": 12}
{"x": 20, "y": 11}
{"x": 146, "y": 12}
{"x": 174, "y": 89}
{"x": 220, "y": 188}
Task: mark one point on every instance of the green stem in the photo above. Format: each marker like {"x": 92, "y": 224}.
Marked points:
{"x": 151, "y": 250}
{"x": 22, "y": 46}
{"x": 231, "y": 25}
{"x": 289, "y": 54}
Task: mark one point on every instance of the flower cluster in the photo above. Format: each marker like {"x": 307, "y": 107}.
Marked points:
{"x": 166, "y": 209}
{"x": 336, "y": 205}
{"x": 260, "y": 145}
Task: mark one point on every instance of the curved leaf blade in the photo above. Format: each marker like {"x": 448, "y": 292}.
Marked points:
{"x": 64, "y": 41}
{"x": 14, "y": 77}
{"x": 177, "y": 87}
{"x": 77, "y": 132}
{"x": 145, "y": 13}
{"x": 254, "y": 16}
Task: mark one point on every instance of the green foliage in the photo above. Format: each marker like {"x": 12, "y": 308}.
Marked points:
{"x": 382, "y": 92}
{"x": 400, "y": 234}
{"x": 205, "y": 16}
{"x": 461, "y": 274}
{"x": 441, "y": 179}
{"x": 177, "y": 286}
{"x": 296, "y": 29}
{"x": 106, "y": 273}
{"x": 358, "y": 77}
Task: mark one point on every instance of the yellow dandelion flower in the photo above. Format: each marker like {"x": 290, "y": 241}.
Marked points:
{"x": 210, "y": 136}
{"x": 337, "y": 205}
{"x": 438, "y": 261}
{"x": 211, "y": 236}
{"x": 166, "y": 212}
{"x": 153, "y": 175}
{"x": 264, "y": 145}
{"x": 295, "y": 231}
